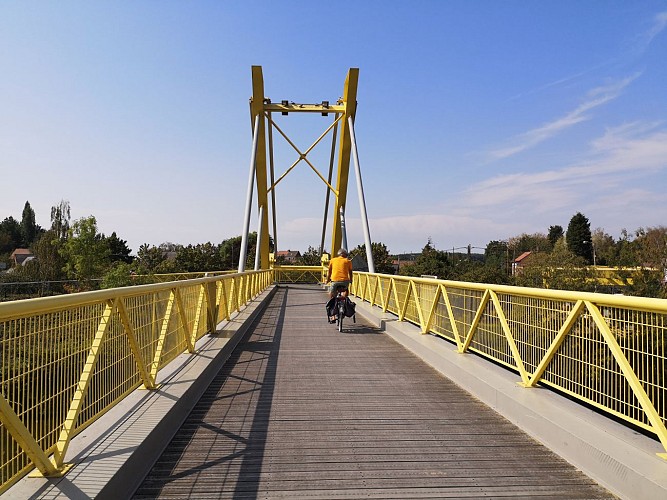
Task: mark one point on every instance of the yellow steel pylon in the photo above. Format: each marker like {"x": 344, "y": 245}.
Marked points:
{"x": 261, "y": 109}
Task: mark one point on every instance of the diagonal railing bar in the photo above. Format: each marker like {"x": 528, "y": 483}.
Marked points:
{"x": 376, "y": 289}
{"x": 404, "y": 306}
{"x": 198, "y": 313}
{"x": 148, "y": 381}
{"x": 396, "y": 299}
{"x": 555, "y": 345}
{"x": 431, "y": 314}
{"x": 25, "y": 440}
{"x": 478, "y": 316}
{"x": 509, "y": 336}
{"x": 630, "y": 375}
{"x": 221, "y": 298}
{"x": 82, "y": 386}
{"x": 385, "y": 298}
{"x": 452, "y": 319}
{"x": 162, "y": 338}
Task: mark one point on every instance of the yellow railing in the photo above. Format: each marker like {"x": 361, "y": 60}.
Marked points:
{"x": 299, "y": 274}
{"x": 608, "y": 351}
{"x": 162, "y": 278}
{"x": 67, "y": 360}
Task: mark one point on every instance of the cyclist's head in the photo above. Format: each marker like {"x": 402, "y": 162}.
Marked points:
{"x": 342, "y": 252}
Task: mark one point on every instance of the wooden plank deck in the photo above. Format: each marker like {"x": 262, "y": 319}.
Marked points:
{"x": 303, "y": 411}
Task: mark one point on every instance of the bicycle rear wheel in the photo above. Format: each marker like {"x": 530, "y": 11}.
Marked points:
{"x": 341, "y": 315}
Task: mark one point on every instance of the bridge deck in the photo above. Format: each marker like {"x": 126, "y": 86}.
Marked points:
{"x": 302, "y": 411}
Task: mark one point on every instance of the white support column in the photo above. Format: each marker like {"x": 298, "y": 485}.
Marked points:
{"x": 248, "y": 206}
{"x": 343, "y": 231}
{"x": 258, "y": 246}
{"x": 362, "y": 200}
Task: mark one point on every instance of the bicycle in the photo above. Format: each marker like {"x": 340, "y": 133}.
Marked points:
{"x": 339, "y": 308}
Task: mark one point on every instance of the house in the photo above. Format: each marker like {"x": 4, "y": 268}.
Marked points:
{"x": 21, "y": 255}
{"x": 288, "y": 256}
{"x": 520, "y": 262}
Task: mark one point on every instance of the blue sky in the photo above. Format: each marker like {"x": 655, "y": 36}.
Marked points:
{"x": 477, "y": 120}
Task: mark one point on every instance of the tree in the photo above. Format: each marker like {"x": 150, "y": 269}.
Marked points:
{"x": 48, "y": 256}
{"x": 555, "y": 234}
{"x": 429, "y": 262}
{"x": 604, "y": 247}
{"x": 118, "y": 249}
{"x": 149, "y": 259}
{"x": 560, "y": 269}
{"x": 201, "y": 257}
{"x": 381, "y": 258}
{"x": 86, "y": 253}
{"x": 230, "y": 250}
{"x": 528, "y": 243}
{"x": 10, "y": 235}
{"x": 60, "y": 217}
{"x": 28, "y": 225}
{"x": 652, "y": 247}
{"x": 626, "y": 251}
{"x": 310, "y": 257}
{"x": 578, "y": 237}
{"x": 122, "y": 274}
{"x": 496, "y": 256}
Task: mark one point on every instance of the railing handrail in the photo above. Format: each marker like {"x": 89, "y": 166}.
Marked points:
{"x": 638, "y": 303}
{"x": 40, "y": 305}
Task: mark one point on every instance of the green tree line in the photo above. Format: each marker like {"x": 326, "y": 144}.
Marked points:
{"x": 560, "y": 258}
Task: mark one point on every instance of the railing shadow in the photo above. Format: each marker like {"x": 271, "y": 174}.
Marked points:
{"x": 252, "y": 399}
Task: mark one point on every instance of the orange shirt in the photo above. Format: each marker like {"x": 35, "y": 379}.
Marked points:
{"x": 340, "y": 269}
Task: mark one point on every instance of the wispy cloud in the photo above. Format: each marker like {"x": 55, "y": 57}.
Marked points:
{"x": 644, "y": 39}
{"x": 595, "y": 98}
{"x": 629, "y": 150}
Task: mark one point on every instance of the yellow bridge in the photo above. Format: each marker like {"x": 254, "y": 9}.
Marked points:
{"x": 234, "y": 385}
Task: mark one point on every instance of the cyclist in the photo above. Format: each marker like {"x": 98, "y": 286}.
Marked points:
{"x": 339, "y": 275}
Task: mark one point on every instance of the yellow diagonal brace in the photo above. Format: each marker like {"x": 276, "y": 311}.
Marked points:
{"x": 25, "y": 439}
{"x": 632, "y": 379}
{"x": 234, "y": 300}
{"x": 198, "y": 311}
{"x": 222, "y": 298}
{"x": 374, "y": 291}
{"x": 385, "y": 296}
{"x": 211, "y": 305}
{"x": 452, "y": 319}
{"x": 404, "y": 307}
{"x": 509, "y": 337}
{"x": 303, "y": 156}
{"x": 163, "y": 337}
{"x": 418, "y": 305}
{"x": 134, "y": 345}
{"x": 184, "y": 321}
{"x": 556, "y": 343}
{"x": 476, "y": 320}
{"x": 82, "y": 387}
{"x": 396, "y": 300}
{"x": 431, "y": 313}
{"x": 364, "y": 288}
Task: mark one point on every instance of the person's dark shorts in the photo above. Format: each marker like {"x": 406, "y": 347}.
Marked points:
{"x": 338, "y": 285}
